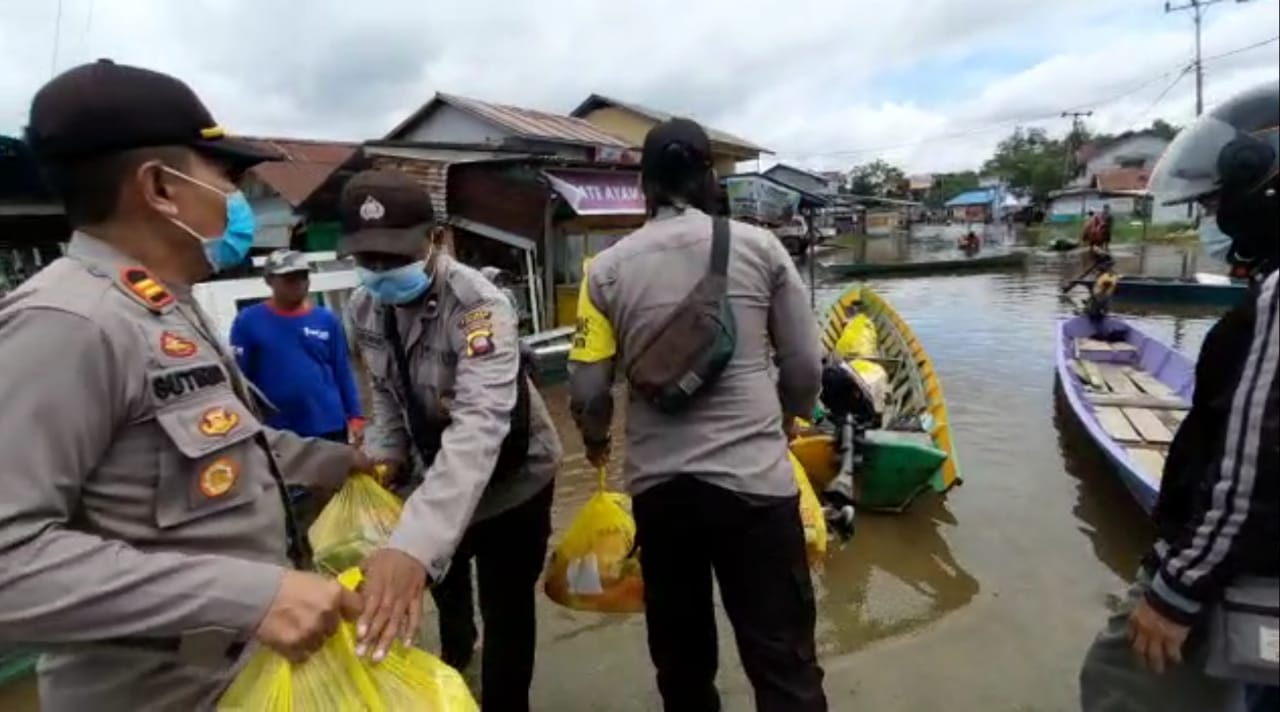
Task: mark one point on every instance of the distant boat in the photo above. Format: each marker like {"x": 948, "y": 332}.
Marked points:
{"x": 1008, "y": 260}
{"x": 1130, "y": 392}
{"x": 1206, "y": 289}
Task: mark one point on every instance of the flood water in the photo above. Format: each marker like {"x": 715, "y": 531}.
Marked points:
{"x": 984, "y": 600}
{"x": 980, "y": 602}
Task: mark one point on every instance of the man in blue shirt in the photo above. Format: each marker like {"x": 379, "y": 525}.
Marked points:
{"x": 296, "y": 354}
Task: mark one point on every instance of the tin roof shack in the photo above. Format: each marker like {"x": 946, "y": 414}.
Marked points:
{"x": 885, "y": 216}
{"x": 277, "y": 189}
{"x": 798, "y": 217}
{"x": 458, "y": 120}
{"x": 631, "y": 122}
{"x": 821, "y": 192}
{"x": 978, "y": 205}
{"x": 1123, "y": 189}
{"x": 33, "y": 228}
{"x": 555, "y": 213}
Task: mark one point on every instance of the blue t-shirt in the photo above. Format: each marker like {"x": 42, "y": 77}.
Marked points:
{"x": 300, "y": 363}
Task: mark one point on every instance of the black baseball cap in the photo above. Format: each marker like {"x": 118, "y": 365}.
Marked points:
{"x": 384, "y": 211}
{"x": 673, "y": 132}
{"x": 104, "y": 108}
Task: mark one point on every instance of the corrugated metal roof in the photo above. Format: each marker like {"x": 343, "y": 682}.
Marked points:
{"x": 982, "y": 196}
{"x": 306, "y": 165}
{"x": 1123, "y": 179}
{"x": 526, "y": 123}
{"x": 596, "y": 101}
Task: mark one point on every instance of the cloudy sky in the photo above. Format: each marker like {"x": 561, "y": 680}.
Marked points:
{"x": 928, "y": 84}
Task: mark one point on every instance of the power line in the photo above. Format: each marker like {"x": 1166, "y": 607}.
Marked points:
{"x": 84, "y": 34}
{"x": 1004, "y": 123}
{"x": 1179, "y": 72}
{"x": 1162, "y": 95}
{"x": 57, "y": 36}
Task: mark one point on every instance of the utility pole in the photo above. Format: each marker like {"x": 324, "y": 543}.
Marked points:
{"x": 1197, "y": 8}
{"x": 1077, "y": 130}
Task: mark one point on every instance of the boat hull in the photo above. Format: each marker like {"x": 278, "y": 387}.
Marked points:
{"x": 1013, "y": 260}
{"x": 1152, "y": 290}
{"x": 897, "y": 465}
{"x": 1133, "y": 437}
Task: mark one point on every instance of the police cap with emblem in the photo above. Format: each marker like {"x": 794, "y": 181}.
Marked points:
{"x": 384, "y": 211}
{"x": 104, "y": 108}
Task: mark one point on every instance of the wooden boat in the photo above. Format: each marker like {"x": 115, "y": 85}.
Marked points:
{"x": 1129, "y": 391}
{"x": 913, "y": 450}
{"x": 1173, "y": 290}
{"x": 1007, "y": 260}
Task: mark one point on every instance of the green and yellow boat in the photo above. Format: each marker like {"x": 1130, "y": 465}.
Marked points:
{"x": 905, "y": 447}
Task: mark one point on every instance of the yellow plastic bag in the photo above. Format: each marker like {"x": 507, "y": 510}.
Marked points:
{"x": 358, "y": 520}
{"x": 858, "y": 339}
{"x": 335, "y": 679}
{"x": 596, "y": 567}
{"x": 815, "y": 525}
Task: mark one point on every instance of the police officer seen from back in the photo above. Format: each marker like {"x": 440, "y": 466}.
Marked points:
{"x": 449, "y": 391}
{"x": 144, "y": 536}
{"x": 706, "y": 451}
{"x": 1198, "y": 630}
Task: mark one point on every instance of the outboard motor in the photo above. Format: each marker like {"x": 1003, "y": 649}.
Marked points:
{"x": 851, "y": 408}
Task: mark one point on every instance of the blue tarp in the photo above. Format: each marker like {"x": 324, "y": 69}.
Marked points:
{"x": 972, "y": 197}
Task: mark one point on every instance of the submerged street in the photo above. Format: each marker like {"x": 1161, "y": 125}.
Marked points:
{"x": 982, "y": 602}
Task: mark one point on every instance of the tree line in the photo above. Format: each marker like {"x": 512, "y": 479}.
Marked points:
{"x": 1029, "y": 161}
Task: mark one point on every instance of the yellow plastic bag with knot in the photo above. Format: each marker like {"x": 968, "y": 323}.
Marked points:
{"x": 358, "y": 520}
{"x": 858, "y": 339}
{"x": 335, "y": 679}
{"x": 596, "y": 566}
{"x": 815, "y": 525}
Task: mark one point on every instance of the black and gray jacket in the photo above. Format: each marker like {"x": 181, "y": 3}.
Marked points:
{"x": 1218, "y": 514}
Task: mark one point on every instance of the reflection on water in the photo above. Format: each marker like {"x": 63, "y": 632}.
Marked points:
{"x": 1036, "y": 489}
{"x": 897, "y": 575}
{"x": 1115, "y": 525}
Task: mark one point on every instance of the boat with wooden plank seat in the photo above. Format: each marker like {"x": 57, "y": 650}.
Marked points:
{"x": 905, "y": 446}
{"x": 1129, "y": 391}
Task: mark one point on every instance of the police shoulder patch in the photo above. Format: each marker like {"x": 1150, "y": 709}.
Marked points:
{"x": 138, "y": 283}
{"x": 479, "y": 342}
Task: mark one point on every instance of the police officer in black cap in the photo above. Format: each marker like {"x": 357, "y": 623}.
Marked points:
{"x": 1182, "y": 641}
{"x": 144, "y": 535}
{"x": 713, "y": 487}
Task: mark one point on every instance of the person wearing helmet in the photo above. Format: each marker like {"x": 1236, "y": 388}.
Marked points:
{"x": 1182, "y": 641}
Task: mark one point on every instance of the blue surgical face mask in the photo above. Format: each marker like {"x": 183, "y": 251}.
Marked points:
{"x": 1216, "y": 243}
{"x": 231, "y": 247}
{"x": 396, "y": 286}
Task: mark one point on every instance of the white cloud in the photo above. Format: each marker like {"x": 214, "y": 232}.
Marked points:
{"x": 804, "y": 78}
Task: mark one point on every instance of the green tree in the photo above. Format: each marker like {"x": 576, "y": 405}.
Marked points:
{"x": 1030, "y": 162}
{"x": 878, "y": 178}
{"x": 948, "y": 185}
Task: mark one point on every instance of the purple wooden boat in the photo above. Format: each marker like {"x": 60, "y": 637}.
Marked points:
{"x": 1129, "y": 391}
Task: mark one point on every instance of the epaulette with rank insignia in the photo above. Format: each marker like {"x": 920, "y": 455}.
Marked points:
{"x": 140, "y": 285}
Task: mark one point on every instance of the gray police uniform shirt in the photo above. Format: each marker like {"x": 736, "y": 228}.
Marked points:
{"x": 463, "y": 351}
{"x": 732, "y": 435}
{"x": 142, "y": 536}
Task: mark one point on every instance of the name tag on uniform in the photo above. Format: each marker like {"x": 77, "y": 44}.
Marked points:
{"x": 174, "y": 383}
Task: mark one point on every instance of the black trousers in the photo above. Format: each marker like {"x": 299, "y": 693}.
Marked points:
{"x": 686, "y": 530}
{"x": 509, "y": 551}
